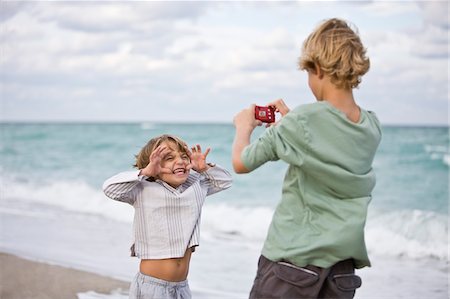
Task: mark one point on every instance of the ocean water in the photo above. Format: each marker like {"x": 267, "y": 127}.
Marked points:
{"x": 55, "y": 171}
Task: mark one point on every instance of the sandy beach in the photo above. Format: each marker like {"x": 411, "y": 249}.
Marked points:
{"x": 22, "y": 278}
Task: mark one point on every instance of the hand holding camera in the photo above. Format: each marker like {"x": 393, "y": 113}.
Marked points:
{"x": 266, "y": 114}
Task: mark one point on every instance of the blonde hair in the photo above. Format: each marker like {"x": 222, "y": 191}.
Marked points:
{"x": 338, "y": 51}
{"x": 143, "y": 157}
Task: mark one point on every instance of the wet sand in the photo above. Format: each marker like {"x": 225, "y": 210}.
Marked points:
{"x": 22, "y": 278}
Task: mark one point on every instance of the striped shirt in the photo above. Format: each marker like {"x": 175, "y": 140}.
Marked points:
{"x": 166, "y": 219}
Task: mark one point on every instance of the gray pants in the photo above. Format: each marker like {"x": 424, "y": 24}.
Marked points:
{"x": 148, "y": 287}
{"x": 284, "y": 280}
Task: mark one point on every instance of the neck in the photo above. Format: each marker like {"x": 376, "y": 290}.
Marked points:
{"x": 340, "y": 98}
{"x": 343, "y": 100}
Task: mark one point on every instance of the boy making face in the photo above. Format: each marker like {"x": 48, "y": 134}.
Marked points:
{"x": 168, "y": 198}
{"x": 171, "y": 162}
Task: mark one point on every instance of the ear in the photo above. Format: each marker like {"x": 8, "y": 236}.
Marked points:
{"x": 318, "y": 70}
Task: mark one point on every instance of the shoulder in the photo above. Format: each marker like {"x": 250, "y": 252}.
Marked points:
{"x": 307, "y": 111}
{"x": 374, "y": 121}
{"x": 310, "y": 108}
{"x": 373, "y": 116}
{"x": 294, "y": 126}
{"x": 302, "y": 113}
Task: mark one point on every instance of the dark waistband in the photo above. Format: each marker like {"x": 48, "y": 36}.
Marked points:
{"x": 345, "y": 265}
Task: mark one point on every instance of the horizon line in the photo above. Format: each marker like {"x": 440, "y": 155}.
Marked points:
{"x": 124, "y": 122}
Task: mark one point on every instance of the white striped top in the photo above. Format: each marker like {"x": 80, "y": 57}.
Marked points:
{"x": 166, "y": 219}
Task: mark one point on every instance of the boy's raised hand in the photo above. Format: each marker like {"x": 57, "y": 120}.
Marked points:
{"x": 198, "y": 159}
{"x": 280, "y": 107}
{"x": 154, "y": 168}
{"x": 245, "y": 119}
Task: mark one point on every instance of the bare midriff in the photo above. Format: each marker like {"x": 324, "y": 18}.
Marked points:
{"x": 173, "y": 269}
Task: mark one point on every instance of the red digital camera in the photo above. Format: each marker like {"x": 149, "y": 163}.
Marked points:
{"x": 265, "y": 114}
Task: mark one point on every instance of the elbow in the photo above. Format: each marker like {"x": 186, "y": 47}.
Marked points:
{"x": 109, "y": 191}
{"x": 109, "y": 194}
{"x": 236, "y": 161}
{"x": 240, "y": 170}
{"x": 239, "y": 167}
{"x": 106, "y": 191}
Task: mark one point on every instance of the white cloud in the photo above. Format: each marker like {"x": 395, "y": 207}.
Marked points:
{"x": 432, "y": 37}
{"x": 8, "y": 9}
{"x": 64, "y": 59}
{"x": 435, "y": 13}
{"x": 115, "y": 16}
{"x": 389, "y": 8}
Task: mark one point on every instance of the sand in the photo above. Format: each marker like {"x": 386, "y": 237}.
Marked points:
{"x": 21, "y": 278}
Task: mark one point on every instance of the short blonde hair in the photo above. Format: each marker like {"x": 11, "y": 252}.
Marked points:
{"x": 143, "y": 157}
{"x": 338, "y": 52}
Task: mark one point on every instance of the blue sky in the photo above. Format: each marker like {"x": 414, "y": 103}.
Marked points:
{"x": 204, "y": 61}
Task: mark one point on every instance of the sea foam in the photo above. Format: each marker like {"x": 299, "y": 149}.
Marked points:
{"x": 409, "y": 233}
{"x": 438, "y": 152}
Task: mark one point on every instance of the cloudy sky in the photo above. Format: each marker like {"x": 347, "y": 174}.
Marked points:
{"x": 204, "y": 61}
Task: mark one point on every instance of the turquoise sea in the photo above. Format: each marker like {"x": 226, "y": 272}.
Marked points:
{"x": 58, "y": 169}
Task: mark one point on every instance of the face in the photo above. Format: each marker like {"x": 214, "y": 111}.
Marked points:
{"x": 176, "y": 162}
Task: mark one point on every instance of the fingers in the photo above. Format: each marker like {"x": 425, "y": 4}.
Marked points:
{"x": 159, "y": 153}
{"x": 246, "y": 118}
{"x": 257, "y": 122}
{"x": 198, "y": 149}
{"x": 280, "y": 106}
{"x": 207, "y": 151}
{"x": 277, "y": 103}
{"x": 247, "y": 111}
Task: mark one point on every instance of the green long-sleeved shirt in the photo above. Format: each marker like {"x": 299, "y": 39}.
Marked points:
{"x": 327, "y": 188}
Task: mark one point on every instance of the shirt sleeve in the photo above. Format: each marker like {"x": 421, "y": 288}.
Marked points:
{"x": 217, "y": 179}
{"x": 123, "y": 186}
{"x": 287, "y": 141}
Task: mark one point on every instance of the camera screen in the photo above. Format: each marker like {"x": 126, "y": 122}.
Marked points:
{"x": 262, "y": 113}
